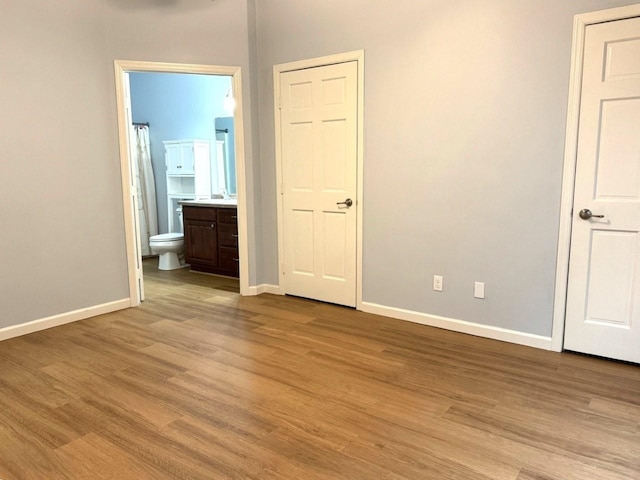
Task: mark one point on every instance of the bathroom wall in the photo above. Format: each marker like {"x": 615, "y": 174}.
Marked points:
{"x": 177, "y": 106}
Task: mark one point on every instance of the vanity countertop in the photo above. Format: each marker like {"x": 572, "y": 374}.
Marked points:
{"x": 211, "y": 202}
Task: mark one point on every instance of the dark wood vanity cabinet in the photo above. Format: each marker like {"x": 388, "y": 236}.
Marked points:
{"x": 211, "y": 239}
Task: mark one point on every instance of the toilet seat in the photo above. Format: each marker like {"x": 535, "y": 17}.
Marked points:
{"x": 166, "y": 237}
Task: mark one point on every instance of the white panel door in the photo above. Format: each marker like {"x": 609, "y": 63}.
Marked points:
{"x": 603, "y": 298}
{"x": 133, "y": 183}
{"x": 319, "y": 171}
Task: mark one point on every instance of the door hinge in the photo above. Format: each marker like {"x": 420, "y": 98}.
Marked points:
{"x": 279, "y": 103}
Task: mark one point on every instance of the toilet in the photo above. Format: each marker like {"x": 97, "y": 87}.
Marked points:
{"x": 170, "y": 247}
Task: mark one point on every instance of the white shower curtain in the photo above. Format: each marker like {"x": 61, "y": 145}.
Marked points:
{"x": 146, "y": 188}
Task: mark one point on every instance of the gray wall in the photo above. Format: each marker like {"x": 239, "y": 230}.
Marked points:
{"x": 61, "y": 196}
{"x": 60, "y": 199}
{"x": 465, "y": 110}
{"x": 465, "y": 106}
{"x": 193, "y": 31}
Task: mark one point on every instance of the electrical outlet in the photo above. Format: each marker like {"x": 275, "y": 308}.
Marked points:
{"x": 478, "y": 290}
{"x": 437, "y": 283}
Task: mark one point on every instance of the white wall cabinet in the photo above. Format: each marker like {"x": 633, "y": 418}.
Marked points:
{"x": 179, "y": 156}
{"x": 188, "y": 164}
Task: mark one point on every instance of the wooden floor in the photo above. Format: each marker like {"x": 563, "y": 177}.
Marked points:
{"x": 200, "y": 383}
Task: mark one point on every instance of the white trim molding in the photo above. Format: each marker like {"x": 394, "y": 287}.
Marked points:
{"x": 461, "y": 326}
{"x": 123, "y": 67}
{"x": 62, "y": 319}
{"x": 265, "y": 288}
{"x": 570, "y": 155}
{"x": 355, "y": 56}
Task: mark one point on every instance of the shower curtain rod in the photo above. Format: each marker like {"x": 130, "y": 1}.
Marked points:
{"x": 140, "y": 124}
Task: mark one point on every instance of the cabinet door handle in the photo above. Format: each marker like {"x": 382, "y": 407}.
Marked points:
{"x": 234, "y": 236}
{"x": 236, "y": 259}
{"x": 213, "y": 225}
{"x": 235, "y": 217}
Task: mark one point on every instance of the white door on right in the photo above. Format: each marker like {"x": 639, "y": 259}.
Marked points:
{"x": 603, "y": 298}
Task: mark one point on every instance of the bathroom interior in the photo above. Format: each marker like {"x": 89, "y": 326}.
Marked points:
{"x": 182, "y": 146}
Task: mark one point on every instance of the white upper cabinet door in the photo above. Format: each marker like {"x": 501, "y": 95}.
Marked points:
{"x": 319, "y": 170}
{"x": 172, "y": 158}
{"x": 603, "y": 298}
{"x": 187, "y": 154}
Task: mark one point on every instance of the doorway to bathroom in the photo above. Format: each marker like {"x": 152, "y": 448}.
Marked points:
{"x": 179, "y": 95}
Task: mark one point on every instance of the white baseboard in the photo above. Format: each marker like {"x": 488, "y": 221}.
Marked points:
{"x": 264, "y": 288}
{"x": 62, "y": 319}
{"x": 495, "y": 333}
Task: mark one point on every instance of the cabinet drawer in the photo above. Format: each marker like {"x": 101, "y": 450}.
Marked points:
{"x": 228, "y": 215}
{"x": 229, "y": 258}
{"x": 227, "y": 235}
{"x": 199, "y": 213}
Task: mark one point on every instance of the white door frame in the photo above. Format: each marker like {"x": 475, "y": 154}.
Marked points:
{"x": 570, "y": 157}
{"x": 121, "y": 68}
{"x": 357, "y": 56}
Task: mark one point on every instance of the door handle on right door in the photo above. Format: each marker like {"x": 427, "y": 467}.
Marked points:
{"x": 348, "y": 202}
{"x": 586, "y": 214}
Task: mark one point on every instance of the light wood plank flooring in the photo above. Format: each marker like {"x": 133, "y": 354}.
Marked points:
{"x": 200, "y": 383}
